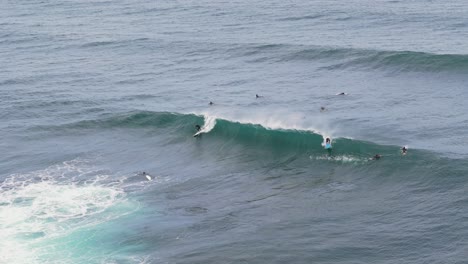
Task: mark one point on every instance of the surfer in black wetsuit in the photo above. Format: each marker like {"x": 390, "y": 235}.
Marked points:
{"x": 322, "y": 109}
{"x": 198, "y": 128}
{"x": 257, "y": 96}
{"x": 376, "y": 157}
{"x": 211, "y": 103}
{"x": 404, "y": 150}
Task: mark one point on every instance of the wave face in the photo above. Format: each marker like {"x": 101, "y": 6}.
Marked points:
{"x": 252, "y": 136}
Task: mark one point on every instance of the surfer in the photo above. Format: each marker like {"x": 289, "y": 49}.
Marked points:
{"x": 211, "y": 103}
{"x": 328, "y": 145}
{"x": 376, "y": 157}
{"x": 257, "y": 96}
{"x": 341, "y": 93}
{"x": 198, "y": 133}
{"x": 147, "y": 176}
{"x": 322, "y": 109}
{"x": 404, "y": 150}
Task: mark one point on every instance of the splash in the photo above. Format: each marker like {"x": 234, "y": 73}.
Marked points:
{"x": 210, "y": 122}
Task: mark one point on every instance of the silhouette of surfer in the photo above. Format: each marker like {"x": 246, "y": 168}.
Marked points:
{"x": 211, "y": 103}
{"x": 322, "y": 109}
{"x": 258, "y": 96}
{"x": 376, "y": 157}
{"x": 198, "y": 128}
{"x": 404, "y": 150}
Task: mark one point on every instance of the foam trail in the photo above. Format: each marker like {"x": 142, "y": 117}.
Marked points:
{"x": 210, "y": 122}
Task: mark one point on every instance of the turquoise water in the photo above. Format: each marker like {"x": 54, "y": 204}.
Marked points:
{"x": 94, "y": 93}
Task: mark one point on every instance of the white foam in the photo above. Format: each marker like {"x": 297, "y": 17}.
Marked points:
{"x": 210, "y": 122}
{"x": 341, "y": 158}
{"x": 42, "y": 205}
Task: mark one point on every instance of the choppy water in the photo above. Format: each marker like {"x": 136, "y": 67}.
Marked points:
{"x": 93, "y": 93}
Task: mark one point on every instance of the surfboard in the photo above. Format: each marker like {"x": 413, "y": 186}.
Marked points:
{"x": 149, "y": 178}
{"x": 198, "y": 133}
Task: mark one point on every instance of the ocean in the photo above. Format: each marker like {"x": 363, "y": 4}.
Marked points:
{"x": 97, "y": 95}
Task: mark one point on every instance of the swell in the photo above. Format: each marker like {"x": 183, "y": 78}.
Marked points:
{"x": 330, "y": 58}
{"x": 342, "y": 58}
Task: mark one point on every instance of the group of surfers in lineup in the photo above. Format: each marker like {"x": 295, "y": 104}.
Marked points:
{"x": 327, "y": 143}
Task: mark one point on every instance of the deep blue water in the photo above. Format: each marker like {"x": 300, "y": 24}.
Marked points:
{"x": 94, "y": 93}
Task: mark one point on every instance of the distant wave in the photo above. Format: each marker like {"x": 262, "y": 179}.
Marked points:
{"x": 342, "y": 58}
{"x": 297, "y": 18}
{"x": 398, "y": 60}
{"x": 121, "y": 42}
{"x": 98, "y": 43}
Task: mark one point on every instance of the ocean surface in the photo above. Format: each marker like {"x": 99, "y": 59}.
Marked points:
{"x": 93, "y": 94}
